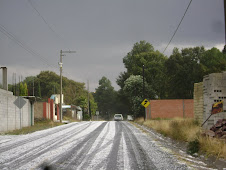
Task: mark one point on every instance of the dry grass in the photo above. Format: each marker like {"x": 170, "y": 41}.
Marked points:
{"x": 187, "y": 130}
{"x": 178, "y": 129}
{"x": 212, "y": 146}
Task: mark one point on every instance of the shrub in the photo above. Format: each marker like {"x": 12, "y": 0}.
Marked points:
{"x": 193, "y": 147}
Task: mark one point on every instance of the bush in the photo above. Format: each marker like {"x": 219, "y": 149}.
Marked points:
{"x": 193, "y": 147}
{"x": 86, "y": 117}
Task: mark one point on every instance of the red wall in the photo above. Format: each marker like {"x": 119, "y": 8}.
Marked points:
{"x": 51, "y": 109}
{"x": 170, "y": 108}
{"x": 44, "y": 109}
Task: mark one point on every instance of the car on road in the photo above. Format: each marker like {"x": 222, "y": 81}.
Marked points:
{"x": 118, "y": 117}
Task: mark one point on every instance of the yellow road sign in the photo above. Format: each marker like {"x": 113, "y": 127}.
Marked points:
{"x": 145, "y": 103}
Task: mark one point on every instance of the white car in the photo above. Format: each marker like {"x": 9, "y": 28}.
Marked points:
{"x": 118, "y": 117}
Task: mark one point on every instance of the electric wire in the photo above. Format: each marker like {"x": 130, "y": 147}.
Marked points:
{"x": 177, "y": 27}
{"x": 24, "y": 46}
{"x": 29, "y": 49}
{"x": 45, "y": 21}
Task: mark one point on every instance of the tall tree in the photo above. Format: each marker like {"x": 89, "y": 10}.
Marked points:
{"x": 143, "y": 53}
{"x": 105, "y": 98}
{"x": 213, "y": 61}
{"x": 183, "y": 70}
{"x": 25, "y": 89}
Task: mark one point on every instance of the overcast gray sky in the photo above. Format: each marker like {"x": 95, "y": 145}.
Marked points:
{"x": 101, "y": 32}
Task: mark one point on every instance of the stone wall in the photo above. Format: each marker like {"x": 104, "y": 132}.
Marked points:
{"x": 11, "y": 117}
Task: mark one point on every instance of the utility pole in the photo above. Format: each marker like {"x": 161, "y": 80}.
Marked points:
{"x": 88, "y": 98}
{"x": 33, "y": 86}
{"x": 61, "y": 68}
{"x": 144, "y": 95}
{"x": 224, "y": 50}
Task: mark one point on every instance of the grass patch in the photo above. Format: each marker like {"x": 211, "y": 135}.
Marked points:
{"x": 187, "y": 130}
{"x": 212, "y": 146}
{"x": 178, "y": 129}
{"x": 40, "y": 124}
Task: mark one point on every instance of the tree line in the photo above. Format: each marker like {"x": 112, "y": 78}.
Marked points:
{"x": 165, "y": 77}
{"x": 47, "y": 83}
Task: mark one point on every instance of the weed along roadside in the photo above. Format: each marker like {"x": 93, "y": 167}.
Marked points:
{"x": 190, "y": 135}
{"x": 40, "y": 124}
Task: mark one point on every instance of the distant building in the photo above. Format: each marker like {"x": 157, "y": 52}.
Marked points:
{"x": 75, "y": 111}
{"x": 56, "y": 98}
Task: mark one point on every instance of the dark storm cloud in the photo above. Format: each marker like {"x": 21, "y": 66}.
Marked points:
{"x": 102, "y": 32}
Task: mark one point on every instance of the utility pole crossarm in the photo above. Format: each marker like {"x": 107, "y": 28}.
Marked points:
{"x": 68, "y": 51}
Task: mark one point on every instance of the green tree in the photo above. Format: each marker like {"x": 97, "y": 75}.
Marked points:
{"x": 213, "y": 61}
{"x": 93, "y": 107}
{"x": 105, "y": 97}
{"x": 25, "y": 89}
{"x": 143, "y": 54}
{"x": 21, "y": 89}
{"x": 83, "y": 103}
{"x": 39, "y": 90}
{"x": 134, "y": 91}
{"x": 183, "y": 70}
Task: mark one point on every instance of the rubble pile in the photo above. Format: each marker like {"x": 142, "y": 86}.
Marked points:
{"x": 218, "y": 130}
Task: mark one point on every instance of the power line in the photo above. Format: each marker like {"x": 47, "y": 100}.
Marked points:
{"x": 24, "y": 46}
{"x": 28, "y": 49}
{"x": 177, "y": 26}
{"x": 45, "y": 21}
{"x": 39, "y": 14}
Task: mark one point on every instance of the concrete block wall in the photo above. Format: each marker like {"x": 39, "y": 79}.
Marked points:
{"x": 38, "y": 109}
{"x": 214, "y": 90}
{"x": 198, "y": 101}
{"x": 170, "y": 108}
{"x": 11, "y": 117}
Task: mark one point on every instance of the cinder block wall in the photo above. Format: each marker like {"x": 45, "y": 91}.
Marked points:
{"x": 38, "y": 110}
{"x": 214, "y": 90}
{"x": 198, "y": 101}
{"x": 170, "y": 108}
{"x": 11, "y": 117}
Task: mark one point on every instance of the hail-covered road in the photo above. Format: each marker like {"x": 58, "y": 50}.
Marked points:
{"x": 89, "y": 145}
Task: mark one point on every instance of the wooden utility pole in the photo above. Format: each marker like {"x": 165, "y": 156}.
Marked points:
{"x": 61, "y": 68}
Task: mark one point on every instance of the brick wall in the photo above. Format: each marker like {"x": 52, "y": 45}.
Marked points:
{"x": 11, "y": 117}
{"x": 170, "y": 108}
